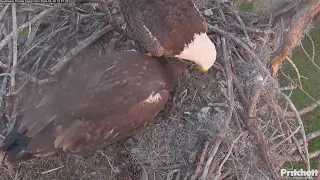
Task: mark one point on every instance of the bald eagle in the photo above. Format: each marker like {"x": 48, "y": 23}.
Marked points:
{"x": 106, "y": 99}
{"x": 171, "y": 28}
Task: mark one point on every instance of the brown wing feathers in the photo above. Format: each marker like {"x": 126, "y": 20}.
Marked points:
{"x": 74, "y": 120}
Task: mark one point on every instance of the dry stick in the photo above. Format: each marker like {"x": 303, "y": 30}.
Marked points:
{"x": 12, "y": 93}
{"x": 304, "y": 110}
{"x": 318, "y": 168}
{"x": 298, "y": 147}
{"x": 14, "y": 45}
{"x": 108, "y": 159}
{"x": 298, "y": 158}
{"x": 230, "y": 109}
{"x": 32, "y": 32}
{"x": 5, "y": 78}
{"x": 51, "y": 170}
{"x": 237, "y": 54}
{"x": 44, "y": 39}
{"x": 261, "y": 142}
{"x": 82, "y": 45}
{"x": 4, "y": 11}
{"x": 236, "y": 14}
{"x": 110, "y": 19}
{"x": 225, "y": 174}
{"x": 211, "y": 156}
{"x": 200, "y": 164}
{"x": 243, "y": 97}
{"x": 313, "y": 49}
{"x": 34, "y": 79}
{"x": 288, "y": 88}
{"x": 300, "y": 88}
{"x": 249, "y": 123}
{"x": 238, "y": 41}
{"x": 313, "y": 135}
{"x": 226, "y": 157}
{"x": 275, "y": 146}
{"x": 295, "y": 141}
{"x": 13, "y": 69}
{"x": 25, "y": 25}
{"x": 313, "y": 52}
{"x": 165, "y": 168}
{"x": 299, "y": 121}
{"x": 256, "y": 98}
{"x": 296, "y": 69}
{"x": 250, "y": 29}
{"x": 309, "y": 137}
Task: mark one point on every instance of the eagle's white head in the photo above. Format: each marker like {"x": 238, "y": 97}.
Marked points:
{"x": 201, "y": 51}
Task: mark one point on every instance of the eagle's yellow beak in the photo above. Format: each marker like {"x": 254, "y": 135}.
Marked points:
{"x": 149, "y": 54}
{"x": 202, "y": 69}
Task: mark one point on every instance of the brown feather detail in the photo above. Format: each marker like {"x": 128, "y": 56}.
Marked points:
{"x": 98, "y": 104}
{"x": 163, "y": 27}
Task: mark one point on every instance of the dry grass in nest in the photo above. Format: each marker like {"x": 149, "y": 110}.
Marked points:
{"x": 225, "y": 124}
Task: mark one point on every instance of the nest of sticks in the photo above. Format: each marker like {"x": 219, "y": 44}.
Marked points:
{"x": 230, "y": 123}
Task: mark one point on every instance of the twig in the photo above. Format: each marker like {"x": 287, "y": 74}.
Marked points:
{"x": 4, "y": 10}
{"x": 286, "y": 139}
{"x": 256, "y": 98}
{"x": 250, "y": 29}
{"x": 288, "y": 88}
{"x": 5, "y": 74}
{"x": 300, "y": 88}
{"x": 211, "y": 156}
{"x": 51, "y": 170}
{"x": 313, "y": 52}
{"x": 32, "y": 32}
{"x": 200, "y": 164}
{"x": 235, "y": 13}
{"x": 14, "y": 46}
{"x": 33, "y": 79}
{"x": 25, "y": 25}
{"x": 304, "y": 110}
{"x": 238, "y": 41}
{"x": 309, "y": 137}
{"x": 44, "y": 39}
{"x": 109, "y": 17}
{"x": 165, "y": 168}
{"x": 225, "y": 174}
{"x": 108, "y": 159}
{"x": 296, "y": 69}
{"x": 226, "y": 157}
{"x": 299, "y": 121}
{"x": 318, "y": 168}
{"x": 3, "y": 65}
{"x": 2, "y": 154}
{"x": 82, "y": 45}
{"x": 230, "y": 76}
{"x": 258, "y": 136}
{"x": 230, "y": 109}
{"x": 5, "y": 78}
{"x": 12, "y": 93}
{"x": 298, "y": 158}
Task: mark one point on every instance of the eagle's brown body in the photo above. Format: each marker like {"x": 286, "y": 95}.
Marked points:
{"x": 163, "y": 27}
{"x": 106, "y": 99}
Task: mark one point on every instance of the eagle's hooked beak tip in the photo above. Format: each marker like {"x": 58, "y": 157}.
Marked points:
{"x": 149, "y": 54}
{"x": 202, "y": 69}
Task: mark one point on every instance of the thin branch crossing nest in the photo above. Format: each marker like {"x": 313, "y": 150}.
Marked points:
{"x": 230, "y": 123}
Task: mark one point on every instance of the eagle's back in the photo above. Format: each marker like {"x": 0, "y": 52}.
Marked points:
{"x": 163, "y": 27}
{"x": 104, "y": 100}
